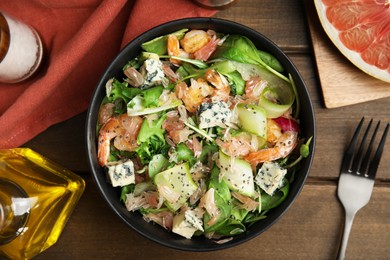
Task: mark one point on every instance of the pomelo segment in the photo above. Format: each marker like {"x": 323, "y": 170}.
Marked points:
{"x": 360, "y": 29}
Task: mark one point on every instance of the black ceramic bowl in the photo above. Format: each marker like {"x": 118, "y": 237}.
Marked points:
{"x": 134, "y": 219}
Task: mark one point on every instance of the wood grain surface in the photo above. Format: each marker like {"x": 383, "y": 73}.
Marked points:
{"x": 311, "y": 228}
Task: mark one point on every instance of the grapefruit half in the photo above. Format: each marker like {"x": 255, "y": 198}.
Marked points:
{"x": 360, "y": 29}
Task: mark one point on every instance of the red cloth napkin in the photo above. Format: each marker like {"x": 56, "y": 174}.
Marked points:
{"x": 80, "y": 38}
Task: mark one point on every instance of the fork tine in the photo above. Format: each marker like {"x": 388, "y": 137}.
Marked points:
{"x": 366, "y": 160}
{"x": 357, "y": 161}
{"x": 347, "y": 161}
{"x": 377, "y": 157}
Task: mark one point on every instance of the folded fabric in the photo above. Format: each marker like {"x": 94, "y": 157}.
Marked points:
{"x": 80, "y": 39}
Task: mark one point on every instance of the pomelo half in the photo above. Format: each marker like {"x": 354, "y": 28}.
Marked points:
{"x": 360, "y": 29}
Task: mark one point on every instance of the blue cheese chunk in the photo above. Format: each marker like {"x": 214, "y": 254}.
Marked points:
{"x": 152, "y": 70}
{"x": 187, "y": 223}
{"x": 214, "y": 114}
{"x": 270, "y": 177}
{"x": 194, "y": 218}
{"x": 121, "y": 173}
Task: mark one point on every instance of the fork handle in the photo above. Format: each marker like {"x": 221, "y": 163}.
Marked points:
{"x": 347, "y": 229}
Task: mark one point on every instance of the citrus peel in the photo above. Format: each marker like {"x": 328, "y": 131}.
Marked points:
{"x": 360, "y": 29}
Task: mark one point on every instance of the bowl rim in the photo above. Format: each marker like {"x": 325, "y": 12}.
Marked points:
{"x": 90, "y": 131}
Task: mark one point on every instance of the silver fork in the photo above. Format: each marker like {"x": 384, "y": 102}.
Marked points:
{"x": 357, "y": 177}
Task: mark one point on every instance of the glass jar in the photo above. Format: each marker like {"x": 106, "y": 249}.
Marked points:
{"x": 20, "y": 50}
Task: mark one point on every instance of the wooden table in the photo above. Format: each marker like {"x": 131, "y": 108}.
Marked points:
{"x": 312, "y": 227}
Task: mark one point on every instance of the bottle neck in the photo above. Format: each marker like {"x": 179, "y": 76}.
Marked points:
{"x": 14, "y": 210}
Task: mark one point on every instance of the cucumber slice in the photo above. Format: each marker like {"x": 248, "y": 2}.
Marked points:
{"x": 252, "y": 119}
{"x": 157, "y": 164}
{"x": 136, "y": 108}
{"x": 239, "y": 176}
{"x": 175, "y": 185}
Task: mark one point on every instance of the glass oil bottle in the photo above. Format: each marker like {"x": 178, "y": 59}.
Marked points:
{"x": 37, "y": 197}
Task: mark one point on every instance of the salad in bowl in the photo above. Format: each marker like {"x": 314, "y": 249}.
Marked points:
{"x": 201, "y": 133}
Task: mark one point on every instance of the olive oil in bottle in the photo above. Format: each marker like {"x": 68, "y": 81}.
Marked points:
{"x": 37, "y": 197}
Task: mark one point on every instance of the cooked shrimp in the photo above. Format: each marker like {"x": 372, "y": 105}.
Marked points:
{"x": 283, "y": 147}
{"x": 110, "y": 130}
{"x": 194, "y": 95}
{"x": 105, "y": 112}
{"x": 222, "y": 87}
{"x": 124, "y": 129}
{"x": 174, "y": 49}
{"x": 128, "y": 140}
{"x": 274, "y": 131}
{"x": 194, "y": 40}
